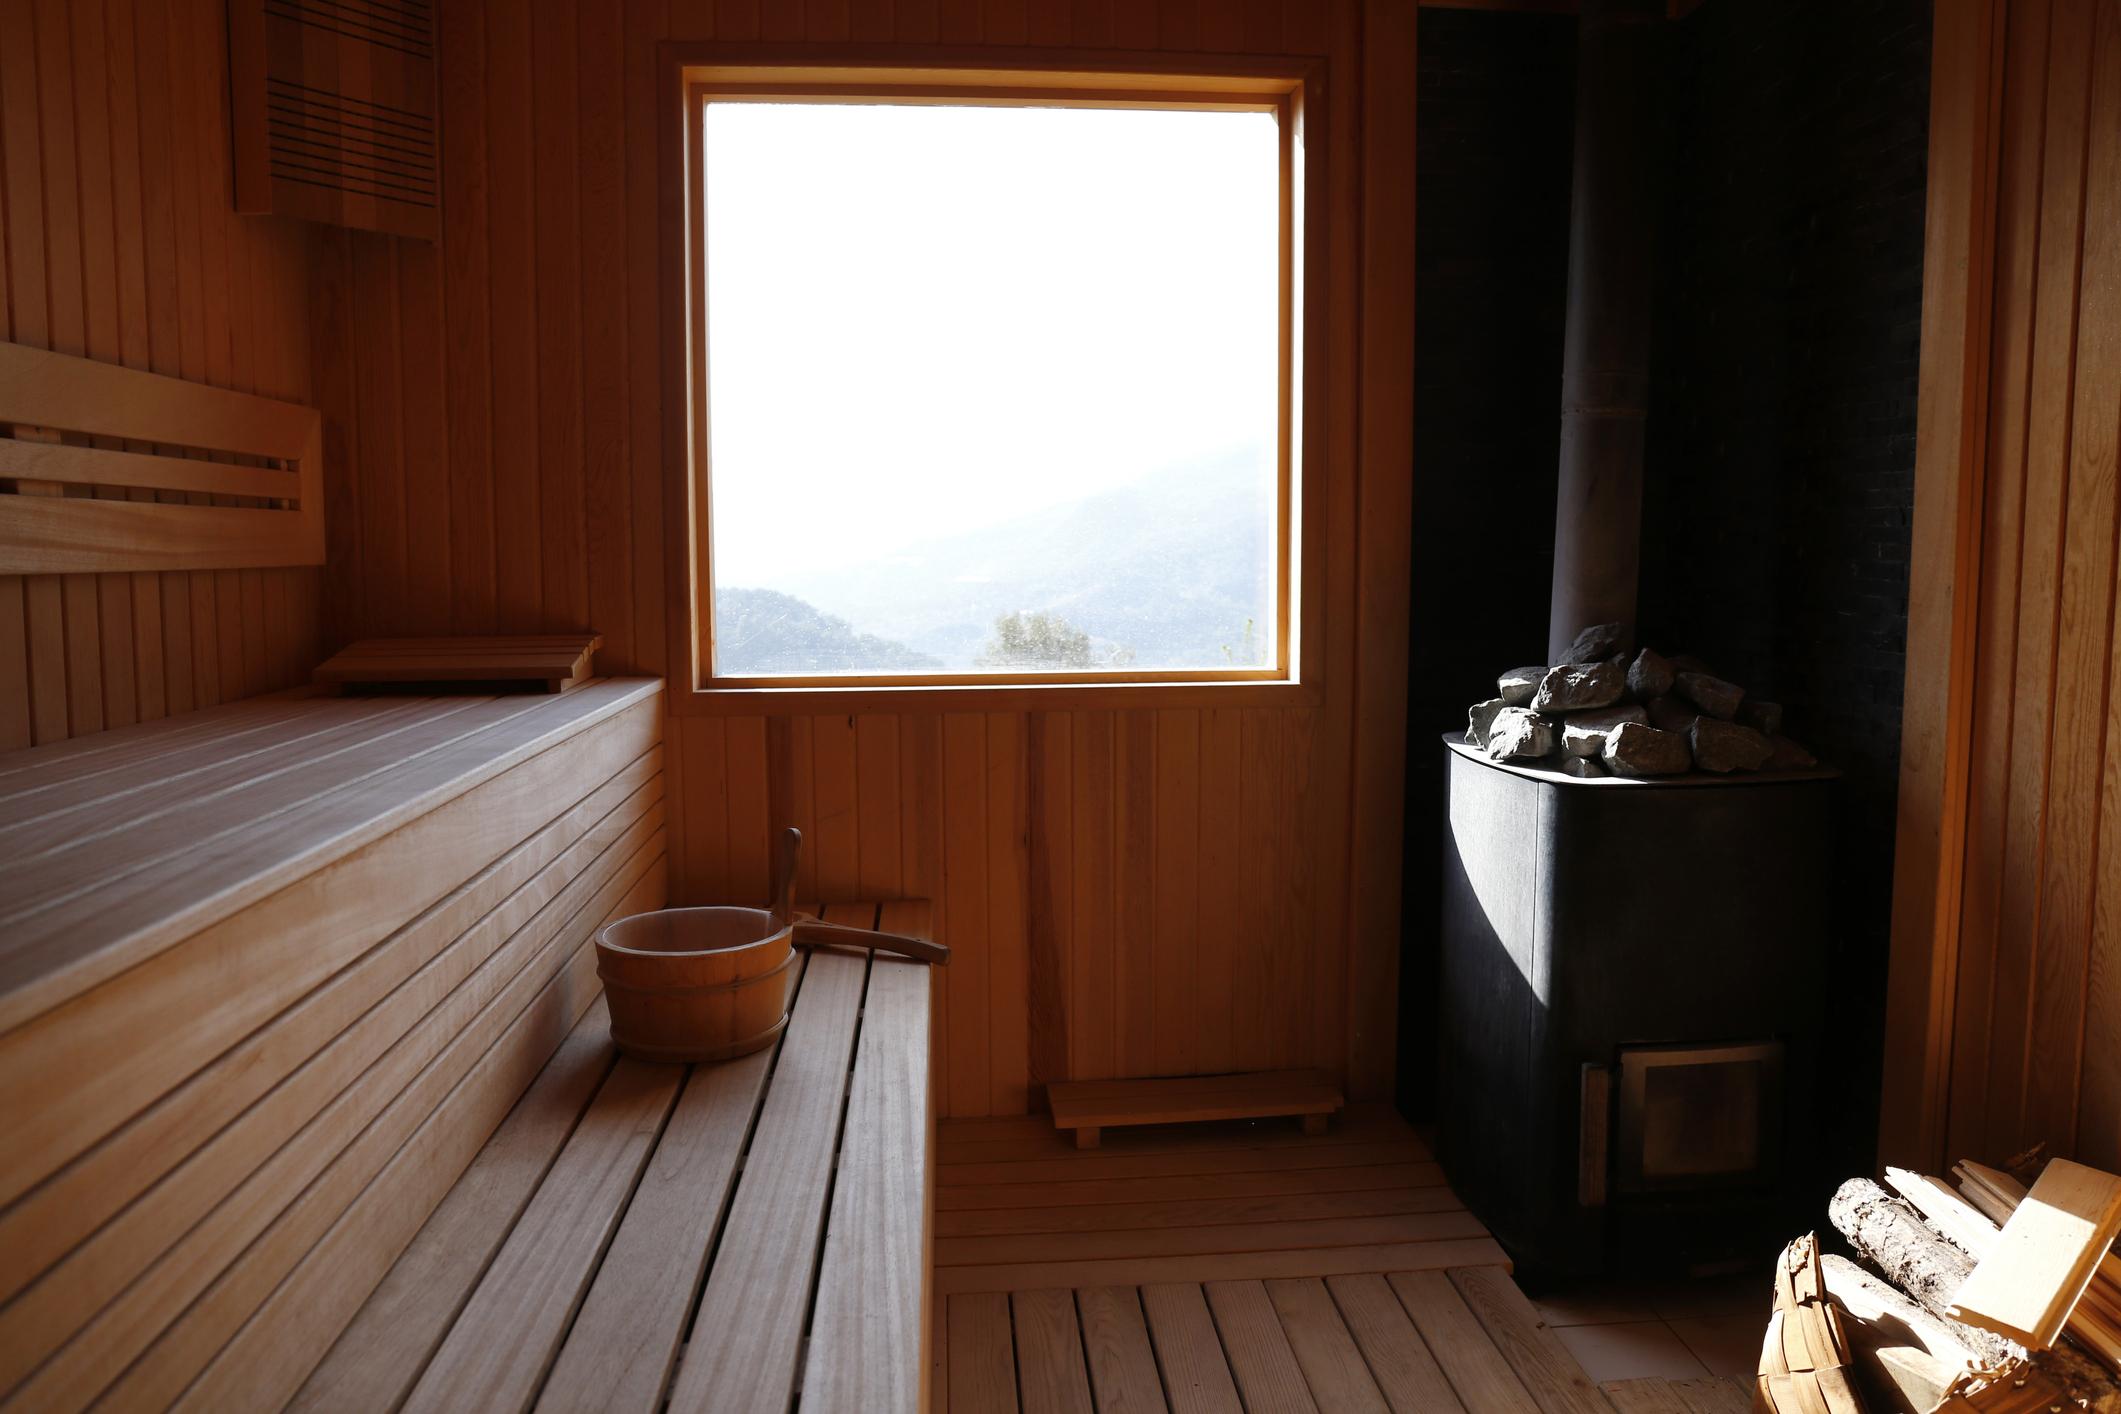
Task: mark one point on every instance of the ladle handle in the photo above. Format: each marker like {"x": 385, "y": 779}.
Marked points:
{"x": 809, "y": 935}
{"x": 787, "y": 850}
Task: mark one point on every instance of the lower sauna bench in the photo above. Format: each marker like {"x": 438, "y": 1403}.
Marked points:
{"x": 270, "y": 976}
{"x": 562, "y": 1271}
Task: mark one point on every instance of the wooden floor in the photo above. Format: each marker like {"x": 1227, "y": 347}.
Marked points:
{"x": 1238, "y": 1267}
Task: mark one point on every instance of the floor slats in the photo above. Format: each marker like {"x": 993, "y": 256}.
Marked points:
{"x": 1369, "y": 1289}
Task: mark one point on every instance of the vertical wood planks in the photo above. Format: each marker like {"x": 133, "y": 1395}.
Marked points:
{"x": 1126, "y": 892}
{"x": 114, "y": 145}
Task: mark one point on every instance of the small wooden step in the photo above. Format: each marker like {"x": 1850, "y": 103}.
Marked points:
{"x": 556, "y": 662}
{"x": 1090, "y": 1106}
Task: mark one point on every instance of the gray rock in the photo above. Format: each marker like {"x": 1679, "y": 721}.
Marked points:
{"x": 1583, "y": 734}
{"x": 1788, "y": 756}
{"x": 1670, "y": 714}
{"x": 1632, "y": 749}
{"x": 1579, "y": 687}
{"x": 1725, "y": 746}
{"x": 1650, "y": 675}
{"x": 1518, "y": 735}
{"x": 1518, "y": 684}
{"x": 1480, "y": 718}
{"x": 1762, "y": 717}
{"x": 1599, "y": 642}
{"x": 1712, "y": 695}
{"x": 1588, "y": 768}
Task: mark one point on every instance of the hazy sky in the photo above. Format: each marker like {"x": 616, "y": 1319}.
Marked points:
{"x": 925, "y": 319}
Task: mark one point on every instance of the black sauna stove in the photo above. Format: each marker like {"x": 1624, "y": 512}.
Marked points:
{"x": 1632, "y": 1011}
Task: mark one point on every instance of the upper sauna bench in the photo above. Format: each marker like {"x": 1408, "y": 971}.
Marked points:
{"x": 251, "y": 960}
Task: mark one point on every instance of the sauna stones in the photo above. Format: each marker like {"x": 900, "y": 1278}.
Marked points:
{"x": 1712, "y": 695}
{"x": 1597, "y": 643}
{"x": 1762, "y": 717}
{"x": 1580, "y": 687}
{"x": 1723, "y": 747}
{"x": 1480, "y": 718}
{"x": 1518, "y": 684}
{"x": 1583, "y": 734}
{"x": 1634, "y": 749}
{"x": 1519, "y": 735}
{"x": 1650, "y": 675}
{"x": 1613, "y": 707}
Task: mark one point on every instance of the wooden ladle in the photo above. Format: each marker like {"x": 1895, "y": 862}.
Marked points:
{"x": 810, "y": 933}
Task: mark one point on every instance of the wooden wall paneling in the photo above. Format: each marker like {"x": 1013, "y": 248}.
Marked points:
{"x": 987, "y": 813}
{"x": 1217, "y": 951}
{"x": 646, "y": 22}
{"x": 1994, "y": 960}
{"x": 964, "y": 911}
{"x": 1007, "y": 933}
{"x": 837, "y": 843}
{"x": 385, "y": 609}
{"x": 1049, "y": 896}
{"x": 2012, "y": 980}
{"x": 513, "y": 348}
{"x": 1387, "y": 508}
{"x": 120, "y": 248}
{"x": 749, "y": 814}
{"x": 1255, "y": 1005}
{"x": 1091, "y": 795}
{"x": 1951, "y": 419}
{"x": 879, "y": 865}
{"x": 563, "y": 553}
{"x": 422, "y": 418}
{"x": 1135, "y": 934}
{"x": 468, "y": 411}
{"x": 2088, "y": 704}
{"x": 1175, "y": 892}
{"x": 2083, "y": 566}
{"x": 607, "y": 466}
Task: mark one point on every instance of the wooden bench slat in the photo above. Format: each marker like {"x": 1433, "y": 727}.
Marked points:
{"x": 756, "y": 1294}
{"x": 624, "y": 1344}
{"x": 1193, "y": 1097}
{"x": 105, "y": 816}
{"x": 867, "y": 1344}
{"x": 375, "y": 1361}
{"x": 1258, "y": 1348}
{"x": 269, "y": 1358}
{"x": 364, "y": 1009}
{"x": 70, "y": 932}
{"x": 178, "y": 1353}
{"x": 1333, "y": 1367}
{"x": 83, "y": 1057}
{"x": 958, "y": 1223}
{"x": 1306, "y": 1232}
{"x": 269, "y": 1151}
{"x": 1228, "y": 1266}
{"x": 497, "y": 1352}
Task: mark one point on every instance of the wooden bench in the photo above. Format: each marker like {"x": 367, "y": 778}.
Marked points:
{"x": 270, "y": 975}
{"x": 563, "y": 1268}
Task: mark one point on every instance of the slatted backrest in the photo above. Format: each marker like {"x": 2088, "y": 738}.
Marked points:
{"x": 104, "y": 468}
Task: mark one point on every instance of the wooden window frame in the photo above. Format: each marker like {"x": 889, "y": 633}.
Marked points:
{"x": 1291, "y": 89}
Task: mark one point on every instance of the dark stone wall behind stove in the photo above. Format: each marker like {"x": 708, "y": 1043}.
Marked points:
{"x": 1781, "y": 435}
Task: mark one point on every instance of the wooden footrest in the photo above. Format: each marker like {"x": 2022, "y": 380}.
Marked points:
{"x": 1090, "y": 1106}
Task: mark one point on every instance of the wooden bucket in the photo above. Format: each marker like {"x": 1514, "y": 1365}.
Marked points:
{"x": 696, "y": 984}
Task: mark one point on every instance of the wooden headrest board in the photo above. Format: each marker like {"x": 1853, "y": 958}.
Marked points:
{"x": 105, "y": 468}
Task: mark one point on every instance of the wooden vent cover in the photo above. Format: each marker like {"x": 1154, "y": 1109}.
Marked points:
{"x": 334, "y": 108}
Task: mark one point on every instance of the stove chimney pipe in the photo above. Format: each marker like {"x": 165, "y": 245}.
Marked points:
{"x": 1605, "y": 372}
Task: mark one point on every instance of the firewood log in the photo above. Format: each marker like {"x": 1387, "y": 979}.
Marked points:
{"x": 1896, "y": 1241}
{"x": 1908, "y": 1358}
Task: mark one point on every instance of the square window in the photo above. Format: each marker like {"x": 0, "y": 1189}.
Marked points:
{"x": 991, "y": 388}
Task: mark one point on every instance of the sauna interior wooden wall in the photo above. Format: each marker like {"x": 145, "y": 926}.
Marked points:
{"x": 2006, "y": 986}
{"x": 120, "y": 244}
{"x": 1127, "y": 891}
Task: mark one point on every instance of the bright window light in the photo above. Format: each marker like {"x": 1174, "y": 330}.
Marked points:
{"x": 992, "y": 390}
